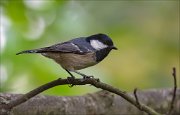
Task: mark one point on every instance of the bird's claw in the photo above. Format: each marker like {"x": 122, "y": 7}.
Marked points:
{"x": 69, "y": 79}
{"x": 87, "y": 77}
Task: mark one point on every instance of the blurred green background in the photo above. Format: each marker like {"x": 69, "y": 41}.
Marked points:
{"x": 145, "y": 32}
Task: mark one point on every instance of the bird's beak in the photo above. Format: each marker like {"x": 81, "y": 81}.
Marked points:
{"x": 115, "y": 48}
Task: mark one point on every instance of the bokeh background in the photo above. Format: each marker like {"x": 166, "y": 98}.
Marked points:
{"x": 145, "y": 32}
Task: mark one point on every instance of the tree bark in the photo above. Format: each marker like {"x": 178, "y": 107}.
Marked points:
{"x": 102, "y": 102}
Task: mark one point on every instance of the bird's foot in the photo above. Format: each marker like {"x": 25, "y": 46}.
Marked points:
{"x": 69, "y": 79}
{"x": 87, "y": 77}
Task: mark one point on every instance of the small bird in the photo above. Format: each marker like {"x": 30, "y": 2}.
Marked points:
{"x": 78, "y": 53}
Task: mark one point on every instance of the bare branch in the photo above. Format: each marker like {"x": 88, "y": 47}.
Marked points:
{"x": 101, "y": 102}
{"x": 92, "y": 81}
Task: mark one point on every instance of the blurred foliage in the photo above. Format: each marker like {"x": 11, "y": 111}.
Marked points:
{"x": 145, "y": 32}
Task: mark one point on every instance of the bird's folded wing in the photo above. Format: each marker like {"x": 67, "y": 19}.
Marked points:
{"x": 66, "y": 47}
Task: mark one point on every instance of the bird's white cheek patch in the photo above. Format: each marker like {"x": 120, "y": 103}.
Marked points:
{"x": 97, "y": 44}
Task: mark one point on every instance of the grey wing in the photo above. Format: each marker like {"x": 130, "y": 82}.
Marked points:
{"x": 77, "y": 46}
{"x": 66, "y": 47}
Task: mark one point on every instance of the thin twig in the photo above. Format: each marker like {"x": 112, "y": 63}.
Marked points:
{"x": 174, "y": 91}
{"x": 136, "y": 97}
{"x": 92, "y": 81}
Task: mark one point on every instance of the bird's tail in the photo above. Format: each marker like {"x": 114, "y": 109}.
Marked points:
{"x": 30, "y": 51}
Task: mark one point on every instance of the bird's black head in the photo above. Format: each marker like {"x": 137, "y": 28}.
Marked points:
{"x": 100, "y": 41}
{"x": 102, "y": 44}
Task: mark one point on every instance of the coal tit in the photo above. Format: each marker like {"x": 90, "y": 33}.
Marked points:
{"x": 78, "y": 53}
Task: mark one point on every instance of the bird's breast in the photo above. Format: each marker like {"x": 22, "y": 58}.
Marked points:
{"x": 72, "y": 61}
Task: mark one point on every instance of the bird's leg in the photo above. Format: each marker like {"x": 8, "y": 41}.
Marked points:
{"x": 83, "y": 75}
{"x": 72, "y": 76}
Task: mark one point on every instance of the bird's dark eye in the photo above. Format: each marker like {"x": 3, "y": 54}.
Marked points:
{"x": 108, "y": 42}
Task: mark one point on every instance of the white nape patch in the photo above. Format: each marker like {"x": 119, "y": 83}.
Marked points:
{"x": 97, "y": 44}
